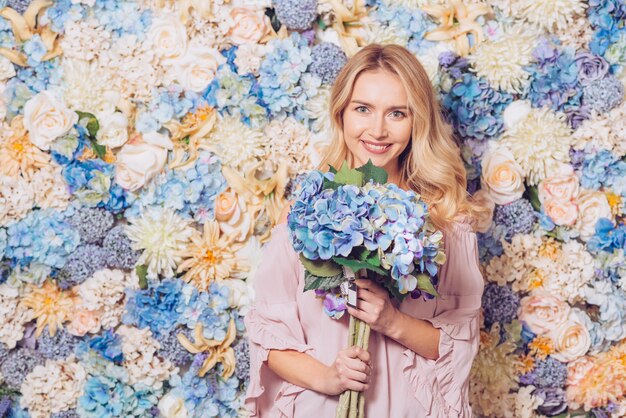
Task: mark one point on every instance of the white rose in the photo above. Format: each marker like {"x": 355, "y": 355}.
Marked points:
{"x": 240, "y": 295}
{"x": 249, "y": 25}
{"x": 571, "y": 340}
{"x": 113, "y": 130}
{"x": 515, "y": 113}
{"x": 172, "y": 406}
{"x": 592, "y": 205}
{"x": 168, "y": 36}
{"x": 7, "y": 70}
{"x": 543, "y": 312}
{"x": 502, "y": 177}
{"x": 46, "y": 119}
{"x": 197, "y": 68}
{"x": 137, "y": 163}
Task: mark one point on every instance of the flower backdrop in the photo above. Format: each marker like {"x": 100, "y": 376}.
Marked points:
{"x": 147, "y": 148}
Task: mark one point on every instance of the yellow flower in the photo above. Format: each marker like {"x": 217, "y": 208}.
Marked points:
{"x": 50, "y": 305}
{"x": 541, "y": 347}
{"x": 550, "y": 249}
{"x": 536, "y": 279}
{"x": 456, "y": 22}
{"x": 18, "y": 155}
{"x": 219, "y": 351}
{"x": 615, "y": 202}
{"x": 209, "y": 257}
{"x": 527, "y": 364}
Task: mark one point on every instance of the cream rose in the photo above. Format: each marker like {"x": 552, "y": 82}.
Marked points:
{"x": 172, "y": 406}
{"x": 562, "y": 187}
{"x": 502, "y": 177}
{"x": 7, "y": 70}
{"x": 46, "y": 119}
{"x": 138, "y": 162}
{"x": 234, "y": 219}
{"x": 543, "y": 312}
{"x": 240, "y": 295}
{"x": 515, "y": 113}
{"x": 168, "y": 36}
{"x": 592, "y": 205}
{"x": 571, "y": 340}
{"x": 197, "y": 68}
{"x": 561, "y": 213}
{"x": 249, "y": 26}
{"x": 113, "y": 130}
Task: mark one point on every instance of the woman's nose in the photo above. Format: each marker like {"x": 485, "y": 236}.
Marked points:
{"x": 378, "y": 128}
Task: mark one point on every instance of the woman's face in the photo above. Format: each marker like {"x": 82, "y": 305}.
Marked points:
{"x": 376, "y": 123}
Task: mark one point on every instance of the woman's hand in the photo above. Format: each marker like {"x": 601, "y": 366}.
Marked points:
{"x": 350, "y": 371}
{"x": 374, "y": 307}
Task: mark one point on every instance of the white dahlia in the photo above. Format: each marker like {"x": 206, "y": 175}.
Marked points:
{"x": 549, "y": 15}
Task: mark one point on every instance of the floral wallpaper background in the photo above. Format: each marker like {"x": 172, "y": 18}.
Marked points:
{"x": 147, "y": 148}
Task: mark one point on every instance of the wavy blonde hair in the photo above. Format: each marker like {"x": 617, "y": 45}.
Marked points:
{"x": 431, "y": 164}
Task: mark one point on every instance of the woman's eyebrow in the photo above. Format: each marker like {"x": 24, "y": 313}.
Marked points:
{"x": 396, "y": 107}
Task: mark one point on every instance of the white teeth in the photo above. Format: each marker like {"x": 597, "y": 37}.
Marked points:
{"x": 375, "y": 147}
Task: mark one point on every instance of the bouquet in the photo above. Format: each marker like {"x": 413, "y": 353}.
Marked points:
{"x": 349, "y": 222}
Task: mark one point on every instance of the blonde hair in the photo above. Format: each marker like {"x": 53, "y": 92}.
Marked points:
{"x": 431, "y": 165}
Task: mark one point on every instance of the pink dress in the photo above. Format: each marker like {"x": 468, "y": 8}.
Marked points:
{"x": 403, "y": 383}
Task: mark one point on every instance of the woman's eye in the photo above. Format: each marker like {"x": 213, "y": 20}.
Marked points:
{"x": 361, "y": 109}
{"x": 397, "y": 114}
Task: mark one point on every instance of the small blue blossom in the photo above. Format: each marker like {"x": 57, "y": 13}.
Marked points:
{"x": 157, "y": 307}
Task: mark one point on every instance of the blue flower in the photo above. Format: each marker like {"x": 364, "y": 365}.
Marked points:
{"x": 108, "y": 345}
{"x": 157, "y": 307}
{"x": 35, "y": 50}
{"x": 108, "y": 397}
{"x": 607, "y": 237}
{"x": 606, "y": 18}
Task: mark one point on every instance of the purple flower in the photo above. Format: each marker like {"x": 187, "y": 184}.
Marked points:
{"x": 554, "y": 402}
{"x": 500, "y": 304}
{"x": 591, "y": 67}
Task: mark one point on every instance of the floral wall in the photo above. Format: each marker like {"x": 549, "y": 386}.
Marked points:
{"x": 147, "y": 148}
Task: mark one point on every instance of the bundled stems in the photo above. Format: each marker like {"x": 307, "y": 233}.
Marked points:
{"x": 352, "y": 402}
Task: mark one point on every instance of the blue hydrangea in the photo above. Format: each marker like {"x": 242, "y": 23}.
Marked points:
{"x": 604, "y": 94}
{"x": 3, "y": 242}
{"x": 500, "y": 304}
{"x": 490, "y": 242}
{"x": 118, "y": 250}
{"x": 328, "y": 60}
{"x": 603, "y": 169}
{"x": 296, "y": 14}
{"x": 285, "y": 85}
{"x": 61, "y": 12}
{"x": 474, "y": 108}
{"x": 40, "y": 76}
{"x": 607, "y": 237}
{"x": 157, "y": 307}
{"x": 107, "y": 344}
{"x": 15, "y": 95}
{"x": 235, "y": 94}
{"x": 92, "y": 224}
{"x": 108, "y": 397}
{"x": 5, "y": 405}
{"x": 517, "y": 217}
{"x": 82, "y": 264}
{"x": 35, "y": 50}
{"x": 409, "y": 23}
{"x": 166, "y": 104}
{"x": 190, "y": 192}
{"x": 554, "y": 78}
{"x": 123, "y": 17}
{"x": 607, "y": 19}
{"x": 43, "y": 236}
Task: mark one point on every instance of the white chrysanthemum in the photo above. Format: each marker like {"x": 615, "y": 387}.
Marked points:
{"x": 606, "y": 131}
{"x": 140, "y": 359}
{"x": 573, "y": 270}
{"x": 162, "y": 235}
{"x": 380, "y": 34}
{"x": 316, "y": 109}
{"x": 430, "y": 61}
{"x": 16, "y": 199}
{"x": 132, "y": 67}
{"x": 13, "y": 316}
{"x": 235, "y": 143}
{"x": 104, "y": 292}
{"x": 87, "y": 88}
{"x": 50, "y": 188}
{"x": 577, "y": 34}
{"x": 548, "y": 15}
{"x": 285, "y": 141}
{"x": 540, "y": 142}
{"x": 502, "y": 61}
{"x": 84, "y": 39}
{"x": 53, "y": 387}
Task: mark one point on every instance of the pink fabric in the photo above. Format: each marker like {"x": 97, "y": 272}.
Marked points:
{"x": 404, "y": 384}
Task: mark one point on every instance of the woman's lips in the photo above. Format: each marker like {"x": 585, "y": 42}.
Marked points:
{"x": 375, "y": 148}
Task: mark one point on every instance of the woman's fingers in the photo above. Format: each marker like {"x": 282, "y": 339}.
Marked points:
{"x": 358, "y": 352}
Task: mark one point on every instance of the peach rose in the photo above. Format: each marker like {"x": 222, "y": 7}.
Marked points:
{"x": 84, "y": 321}
{"x": 592, "y": 205}
{"x": 571, "y": 340}
{"x": 543, "y": 312}
{"x": 561, "y": 213}
{"x": 249, "y": 26}
{"x": 562, "y": 187}
{"x": 577, "y": 369}
{"x": 234, "y": 218}
{"x": 225, "y": 205}
{"x": 501, "y": 176}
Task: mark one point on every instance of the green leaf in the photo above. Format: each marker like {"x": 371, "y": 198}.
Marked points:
{"x": 346, "y": 175}
{"x": 142, "y": 273}
{"x": 321, "y": 268}
{"x": 329, "y": 184}
{"x": 371, "y": 172}
{"x": 312, "y": 282}
{"x": 91, "y": 123}
{"x": 332, "y": 169}
{"x": 424, "y": 284}
{"x": 533, "y": 193}
{"x": 374, "y": 260}
{"x": 100, "y": 150}
{"x": 356, "y": 265}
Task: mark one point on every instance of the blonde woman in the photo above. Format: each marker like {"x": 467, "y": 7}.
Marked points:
{"x": 382, "y": 108}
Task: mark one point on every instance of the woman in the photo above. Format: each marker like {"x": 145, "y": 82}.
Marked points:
{"x": 383, "y": 108}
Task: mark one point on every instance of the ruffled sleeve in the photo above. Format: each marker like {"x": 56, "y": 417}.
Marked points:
{"x": 441, "y": 386}
{"x": 273, "y": 323}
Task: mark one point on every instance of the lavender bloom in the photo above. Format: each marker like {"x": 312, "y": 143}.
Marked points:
{"x": 81, "y": 265}
{"x": 517, "y": 217}
{"x": 92, "y": 224}
{"x": 242, "y": 365}
{"x": 554, "y": 402}
{"x": 328, "y": 60}
{"x": 591, "y": 67}
{"x": 550, "y": 373}
{"x": 172, "y": 349}
{"x": 604, "y": 94}
{"x": 500, "y": 304}
{"x": 59, "y": 347}
{"x": 17, "y": 364}
{"x": 296, "y": 14}
{"x": 119, "y": 252}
